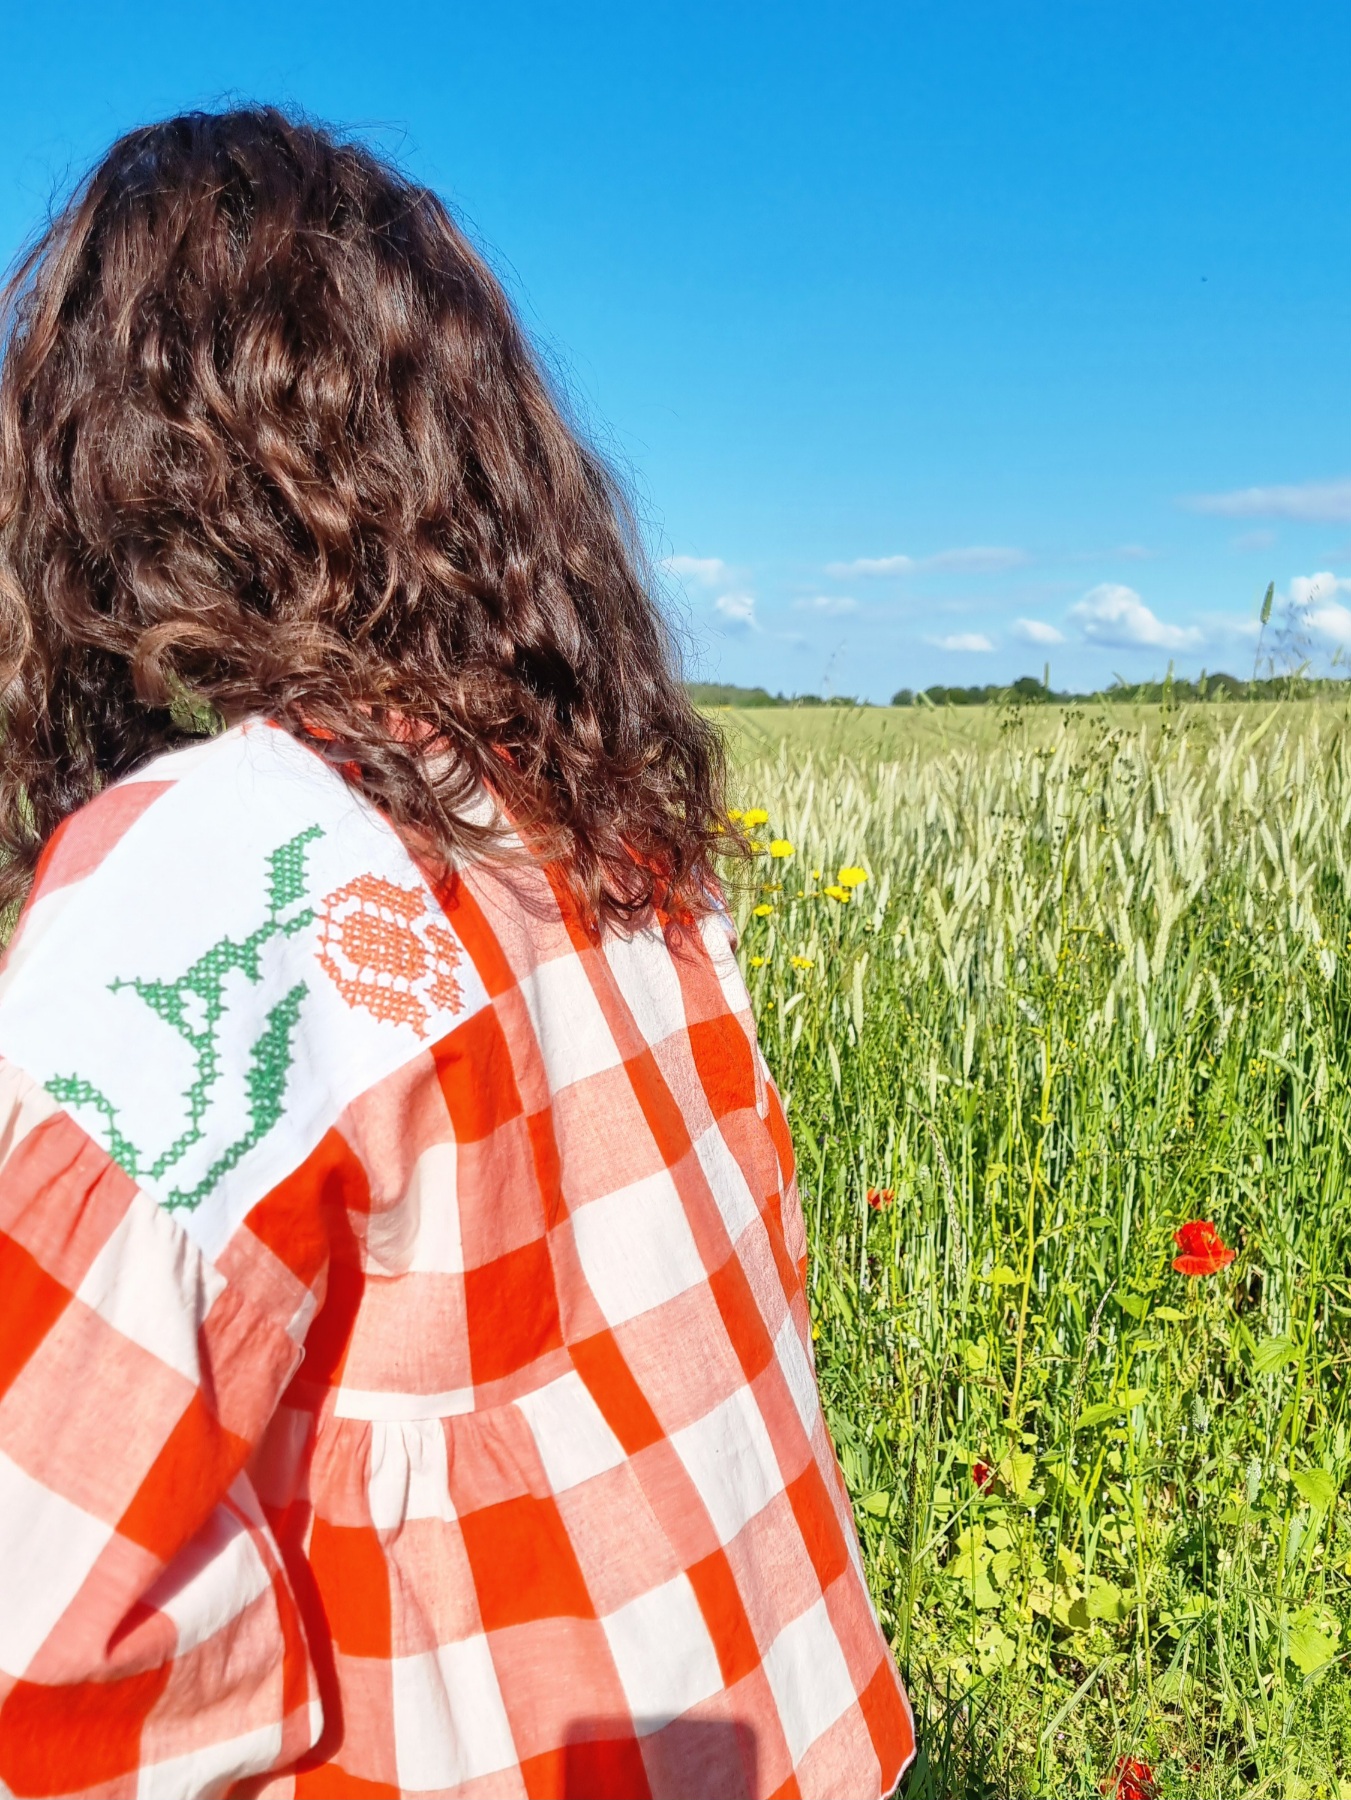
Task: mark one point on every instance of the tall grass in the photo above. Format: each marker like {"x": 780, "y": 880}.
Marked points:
{"x": 1092, "y": 988}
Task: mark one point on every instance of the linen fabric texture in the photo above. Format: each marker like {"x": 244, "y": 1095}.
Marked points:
{"x": 405, "y": 1372}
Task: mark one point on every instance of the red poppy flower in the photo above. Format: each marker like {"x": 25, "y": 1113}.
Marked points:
{"x": 1204, "y": 1251}
{"x": 879, "y": 1198}
{"x": 1131, "y": 1779}
{"x": 982, "y": 1474}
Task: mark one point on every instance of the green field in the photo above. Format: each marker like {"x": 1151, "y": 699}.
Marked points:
{"x": 1096, "y": 984}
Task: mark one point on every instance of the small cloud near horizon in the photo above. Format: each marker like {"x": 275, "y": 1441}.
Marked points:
{"x": 1314, "y": 599}
{"x": 1037, "y": 631}
{"x": 737, "y": 611}
{"x": 1116, "y": 616}
{"x": 972, "y": 559}
{"x": 830, "y": 604}
{"x": 704, "y": 571}
{"x": 1311, "y": 501}
{"x": 964, "y": 640}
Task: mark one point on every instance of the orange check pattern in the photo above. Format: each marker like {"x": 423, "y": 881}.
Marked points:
{"x": 483, "y": 1456}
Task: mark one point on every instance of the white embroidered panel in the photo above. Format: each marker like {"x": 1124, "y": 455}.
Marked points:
{"x": 254, "y": 953}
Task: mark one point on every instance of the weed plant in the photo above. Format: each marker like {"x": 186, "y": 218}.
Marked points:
{"x": 1035, "y": 1004}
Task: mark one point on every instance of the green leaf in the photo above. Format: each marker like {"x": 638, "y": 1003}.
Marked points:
{"x": 1170, "y": 1314}
{"x": 1099, "y": 1415}
{"x": 1016, "y": 1473}
{"x": 1271, "y": 1354}
{"x": 1134, "y": 1304}
{"x": 1317, "y": 1486}
{"x": 1107, "y": 1602}
{"x": 1002, "y": 1276}
{"x": 878, "y": 1503}
{"x": 1309, "y": 1647}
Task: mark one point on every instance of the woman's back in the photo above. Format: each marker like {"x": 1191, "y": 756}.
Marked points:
{"x": 452, "y": 1254}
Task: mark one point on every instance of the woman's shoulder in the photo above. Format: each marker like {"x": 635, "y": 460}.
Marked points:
{"x": 220, "y": 954}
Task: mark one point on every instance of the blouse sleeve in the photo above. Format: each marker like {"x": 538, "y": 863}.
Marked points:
{"x": 146, "y": 1622}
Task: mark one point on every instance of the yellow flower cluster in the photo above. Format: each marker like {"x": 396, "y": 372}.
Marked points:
{"x": 849, "y": 878}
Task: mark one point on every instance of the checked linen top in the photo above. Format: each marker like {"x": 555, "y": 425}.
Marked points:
{"x": 405, "y": 1373}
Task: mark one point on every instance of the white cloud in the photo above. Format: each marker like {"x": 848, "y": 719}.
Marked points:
{"x": 964, "y": 640}
{"x": 1037, "y": 631}
{"x": 1313, "y": 500}
{"x": 830, "y": 604}
{"x": 1116, "y": 615}
{"x": 1331, "y": 620}
{"x": 974, "y": 559}
{"x": 738, "y": 610}
{"x": 704, "y": 571}
{"x": 977, "y": 559}
{"x": 873, "y": 565}
{"x": 1313, "y": 598}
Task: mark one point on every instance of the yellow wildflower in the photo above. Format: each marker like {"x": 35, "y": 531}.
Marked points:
{"x": 816, "y": 874}
{"x": 801, "y": 962}
{"x": 836, "y": 893}
{"x": 757, "y": 962}
{"x": 734, "y": 813}
{"x": 755, "y": 816}
{"x": 852, "y": 877}
{"x": 763, "y": 910}
{"x": 780, "y": 847}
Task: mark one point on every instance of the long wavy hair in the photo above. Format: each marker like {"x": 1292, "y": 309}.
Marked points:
{"x": 272, "y": 442}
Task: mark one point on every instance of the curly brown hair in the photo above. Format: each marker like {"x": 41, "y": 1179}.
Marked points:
{"x": 272, "y": 442}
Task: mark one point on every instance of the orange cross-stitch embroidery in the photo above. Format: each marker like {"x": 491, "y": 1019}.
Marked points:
{"x": 375, "y": 958}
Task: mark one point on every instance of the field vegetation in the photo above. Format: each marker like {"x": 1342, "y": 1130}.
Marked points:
{"x": 1041, "y": 988}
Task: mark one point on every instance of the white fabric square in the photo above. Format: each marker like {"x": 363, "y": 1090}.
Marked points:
{"x": 434, "y": 1198}
{"x": 574, "y": 1036}
{"x": 731, "y": 1461}
{"x": 23, "y": 1107}
{"x": 61, "y": 1543}
{"x": 725, "y": 1176}
{"x": 213, "y": 1769}
{"x": 798, "y": 1373}
{"x": 450, "y": 1725}
{"x": 408, "y": 1473}
{"x": 211, "y": 1581}
{"x": 571, "y": 1435}
{"x": 636, "y": 1248}
{"x": 146, "y": 1258}
{"x": 664, "y": 1655}
{"x": 809, "y": 1678}
{"x": 647, "y": 979}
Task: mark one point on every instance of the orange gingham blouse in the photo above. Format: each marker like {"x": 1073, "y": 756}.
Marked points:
{"x": 405, "y": 1372}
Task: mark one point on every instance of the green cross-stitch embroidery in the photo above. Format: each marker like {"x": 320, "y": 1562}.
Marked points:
{"x": 193, "y": 1006}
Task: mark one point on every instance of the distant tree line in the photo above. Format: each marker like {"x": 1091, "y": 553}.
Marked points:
{"x": 1028, "y": 691}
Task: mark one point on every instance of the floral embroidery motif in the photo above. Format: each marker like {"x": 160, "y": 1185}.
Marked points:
{"x": 382, "y": 952}
{"x": 193, "y": 1006}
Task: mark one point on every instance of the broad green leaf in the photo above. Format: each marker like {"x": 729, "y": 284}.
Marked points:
{"x": 1099, "y": 1415}
{"x": 1134, "y": 1304}
{"x": 1002, "y": 1276}
{"x": 1000, "y": 1564}
{"x": 1107, "y": 1602}
{"x": 1271, "y": 1354}
{"x": 1309, "y": 1648}
{"x": 1016, "y": 1472}
{"x": 1169, "y": 1314}
{"x": 878, "y": 1503}
{"x": 1317, "y": 1486}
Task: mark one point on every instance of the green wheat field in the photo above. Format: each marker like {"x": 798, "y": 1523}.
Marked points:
{"x": 1094, "y": 984}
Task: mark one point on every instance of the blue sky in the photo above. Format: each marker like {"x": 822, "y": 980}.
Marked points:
{"x": 937, "y": 342}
